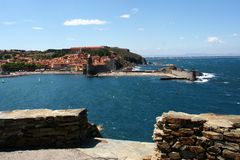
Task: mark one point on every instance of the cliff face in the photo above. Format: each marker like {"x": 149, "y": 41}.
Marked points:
{"x": 126, "y": 55}
{"x": 124, "y": 58}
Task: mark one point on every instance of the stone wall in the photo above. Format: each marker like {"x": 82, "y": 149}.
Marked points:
{"x": 43, "y": 128}
{"x": 207, "y": 136}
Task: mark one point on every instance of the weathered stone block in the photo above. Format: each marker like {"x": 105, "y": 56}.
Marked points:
{"x": 177, "y": 146}
{"x": 158, "y": 132}
{"x": 174, "y": 127}
{"x": 201, "y": 156}
{"x": 214, "y": 150}
{"x": 164, "y": 147}
{"x": 235, "y": 147}
{"x": 230, "y": 154}
{"x": 183, "y": 132}
{"x": 170, "y": 140}
{"x": 236, "y": 125}
{"x": 157, "y": 138}
{"x": 212, "y": 135}
{"x": 232, "y": 136}
{"x": 188, "y": 140}
{"x": 189, "y": 152}
{"x": 211, "y": 157}
{"x": 167, "y": 131}
{"x": 176, "y": 118}
{"x": 174, "y": 155}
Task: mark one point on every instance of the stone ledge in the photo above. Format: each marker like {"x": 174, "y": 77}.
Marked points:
{"x": 42, "y": 113}
{"x": 44, "y": 128}
{"x": 96, "y": 149}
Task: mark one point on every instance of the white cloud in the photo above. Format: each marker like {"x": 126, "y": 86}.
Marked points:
{"x": 79, "y": 22}
{"x": 9, "y": 23}
{"x": 134, "y": 10}
{"x": 140, "y": 29}
{"x": 126, "y": 16}
{"x": 235, "y": 34}
{"x": 37, "y": 28}
{"x": 214, "y": 40}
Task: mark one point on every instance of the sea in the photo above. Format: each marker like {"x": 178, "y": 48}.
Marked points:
{"x": 126, "y": 107}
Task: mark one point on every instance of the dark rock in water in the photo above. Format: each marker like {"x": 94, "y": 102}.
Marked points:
{"x": 199, "y": 73}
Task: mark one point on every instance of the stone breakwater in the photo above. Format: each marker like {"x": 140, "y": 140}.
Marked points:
{"x": 44, "y": 128}
{"x": 179, "y": 135}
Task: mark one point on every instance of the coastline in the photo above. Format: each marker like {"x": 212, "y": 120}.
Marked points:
{"x": 17, "y": 74}
{"x": 161, "y": 75}
{"x": 112, "y": 74}
{"x": 121, "y": 74}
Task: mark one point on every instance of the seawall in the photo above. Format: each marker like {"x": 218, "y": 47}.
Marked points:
{"x": 44, "y": 128}
{"x": 189, "y": 75}
{"x": 179, "y": 135}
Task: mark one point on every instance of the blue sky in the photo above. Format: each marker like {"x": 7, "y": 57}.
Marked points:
{"x": 148, "y": 27}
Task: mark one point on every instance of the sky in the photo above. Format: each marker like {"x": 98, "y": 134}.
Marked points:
{"x": 147, "y": 27}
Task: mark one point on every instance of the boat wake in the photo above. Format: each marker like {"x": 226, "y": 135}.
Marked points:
{"x": 205, "y": 77}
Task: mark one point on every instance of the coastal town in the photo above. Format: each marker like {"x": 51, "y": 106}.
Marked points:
{"x": 70, "y": 62}
{"x": 92, "y": 61}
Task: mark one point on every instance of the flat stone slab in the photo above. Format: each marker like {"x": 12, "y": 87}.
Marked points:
{"x": 35, "y": 113}
{"x": 214, "y": 120}
{"x": 105, "y": 149}
{"x": 223, "y": 121}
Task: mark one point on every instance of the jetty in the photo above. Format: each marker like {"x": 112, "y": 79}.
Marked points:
{"x": 173, "y": 75}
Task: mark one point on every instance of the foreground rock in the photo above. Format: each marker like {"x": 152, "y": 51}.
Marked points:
{"x": 44, "y": 128}
{"x": 97, "y": 149}
{"x": 207, "y": 136}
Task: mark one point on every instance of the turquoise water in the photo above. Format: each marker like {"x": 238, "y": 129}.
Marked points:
{"x": 127, "y": 106}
